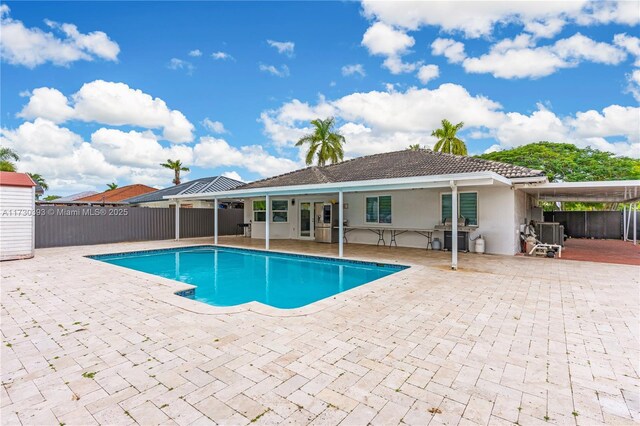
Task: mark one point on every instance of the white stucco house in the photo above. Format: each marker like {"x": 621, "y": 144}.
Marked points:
{"x": 405, "y": 197}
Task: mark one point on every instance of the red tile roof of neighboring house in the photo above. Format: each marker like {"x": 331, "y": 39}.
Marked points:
{"x": 118, "y": 194}
{"x": 15, "y": 179}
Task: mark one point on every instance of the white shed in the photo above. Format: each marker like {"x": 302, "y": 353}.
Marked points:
{"x": 17, "y": 216}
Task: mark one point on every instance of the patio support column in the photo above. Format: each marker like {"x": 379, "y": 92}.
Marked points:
{"x": 454, "y": 226}
{"x": 266, "y": 223}
{"x": 635, "y": 219}
{"x": 177, "y": 219}
{"x": 624, "y": 223}
{"x": 340, "y": 224}
{"x": 215, "y": 221}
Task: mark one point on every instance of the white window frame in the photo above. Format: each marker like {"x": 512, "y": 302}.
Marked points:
{"x": 254, "y": 211}
{"x": 378, "y": 222}
{"x": 280, "y": 211}
{"x": 462, "y": 192}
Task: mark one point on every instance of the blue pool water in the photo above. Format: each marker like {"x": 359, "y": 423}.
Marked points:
{"x": 229, "y": 276}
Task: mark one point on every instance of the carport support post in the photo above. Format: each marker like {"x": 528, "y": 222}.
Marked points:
{"x": 266, "y": 222}
{"x": 177, "y": 219}
{"x": 340, "y": 224}
{"x": 454, "y": 226}
{"x": 624, "y": 223}
{"x": 635, "y": 219}
{"x": 215, "y": 221}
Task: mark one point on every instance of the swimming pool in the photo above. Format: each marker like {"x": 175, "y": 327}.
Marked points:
{"x": 226, "y": 276}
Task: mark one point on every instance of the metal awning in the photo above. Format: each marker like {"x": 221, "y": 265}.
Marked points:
{"x": 618, "y": 191}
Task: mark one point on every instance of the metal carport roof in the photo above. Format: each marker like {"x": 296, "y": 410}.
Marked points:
{"x": 617, "y": 191}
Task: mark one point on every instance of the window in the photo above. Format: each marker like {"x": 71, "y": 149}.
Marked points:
{"x": 279, "y": 211}
{"x": 378, "y": 209}
{"x": 259, "y": 210}
{"x": 467, "y": 206}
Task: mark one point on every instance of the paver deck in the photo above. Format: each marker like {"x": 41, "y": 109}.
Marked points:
{"x": 503, "y": 340}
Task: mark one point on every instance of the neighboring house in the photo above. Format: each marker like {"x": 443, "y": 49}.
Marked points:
{"x": 207, "y": 184}
{"x": 72, "y": 197}
{"x": 17, "y": 217}
{"x": 409, "y": 194}
{"x": 115, "y": 196}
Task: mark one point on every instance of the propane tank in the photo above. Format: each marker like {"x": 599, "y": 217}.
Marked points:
{"x": 480, "y": 245}
{"x": 436, "y": 245}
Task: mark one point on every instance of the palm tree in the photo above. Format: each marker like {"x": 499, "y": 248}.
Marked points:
{"x": 447, "y": 139}
{"x": 177, "y": 167}
{"x": 324, "y": 143}
{"x": 112, "y": 186}
{"x": 7, "y": 157}
{"x": 414, "y": 147}
{"x": 39, "y": 180}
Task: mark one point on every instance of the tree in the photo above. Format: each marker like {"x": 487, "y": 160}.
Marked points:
{"x": 177, "y": 167}
{"x": 7, "y": 158}
{"x": 112, "y": 186}
{"x": 51, "y": 197}
{"x": 414, "y": 147}
{"x": 325, "y": 144}
{"x": 447, "y": 140}
{"x": 565, "y": 162}
{"x": 39, "y": 180}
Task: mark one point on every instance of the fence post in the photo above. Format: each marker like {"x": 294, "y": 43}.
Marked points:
{"x": 177, "y": 219}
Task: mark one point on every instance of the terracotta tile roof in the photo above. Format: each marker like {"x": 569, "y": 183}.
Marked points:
{"x": 398, "y": 164}
{"x": 118, "y": 194}
{"x": 15, "y": 179}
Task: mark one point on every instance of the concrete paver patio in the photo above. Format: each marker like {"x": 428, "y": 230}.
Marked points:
{"x": 504, "y": 340}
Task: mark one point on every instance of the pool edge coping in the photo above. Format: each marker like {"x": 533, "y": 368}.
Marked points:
{"x": 198, "y": 307}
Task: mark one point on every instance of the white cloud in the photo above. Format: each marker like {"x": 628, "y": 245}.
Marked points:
{"x": 212, "y": 152}
{"x": 613, "y": 120}
{"x": 137, "y": 149}
{"x": 283, "y": 71}
{"x": 47, "y": 103}
{"x": 384, "y": 40}
{"x": 479, "y": 18}
{"x": 283, "y": 47}
{"x": 221, "y": 56}
{"x": 353, "y": 69}
{"x": 195, "y": 53}
{"x": 633, "y": 86}
{"x": 375, "y": 122}
{"x": 449, "y": 48}
{"x": 426, "y": 73}
{"x": 233, "y": 175}
{"x": 58, "y": 154}
{"x": 31, "y": 47}
{"x": 214, "y": 126}
{"x": 518, "y": 58}
{"x": 630, "y": 44}
{"x": 180, "y": 64}
{"x": 110, "y": 103}
{"x": 42, "y": 137}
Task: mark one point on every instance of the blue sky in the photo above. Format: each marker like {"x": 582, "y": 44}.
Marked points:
{"x": 228, "y": 87}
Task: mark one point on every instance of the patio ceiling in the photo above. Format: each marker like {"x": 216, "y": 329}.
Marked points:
{"x": 419, "y": 182}
{"x": 621, "y": 191}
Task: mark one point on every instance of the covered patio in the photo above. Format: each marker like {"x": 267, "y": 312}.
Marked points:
{"x": 337, "y": 193}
